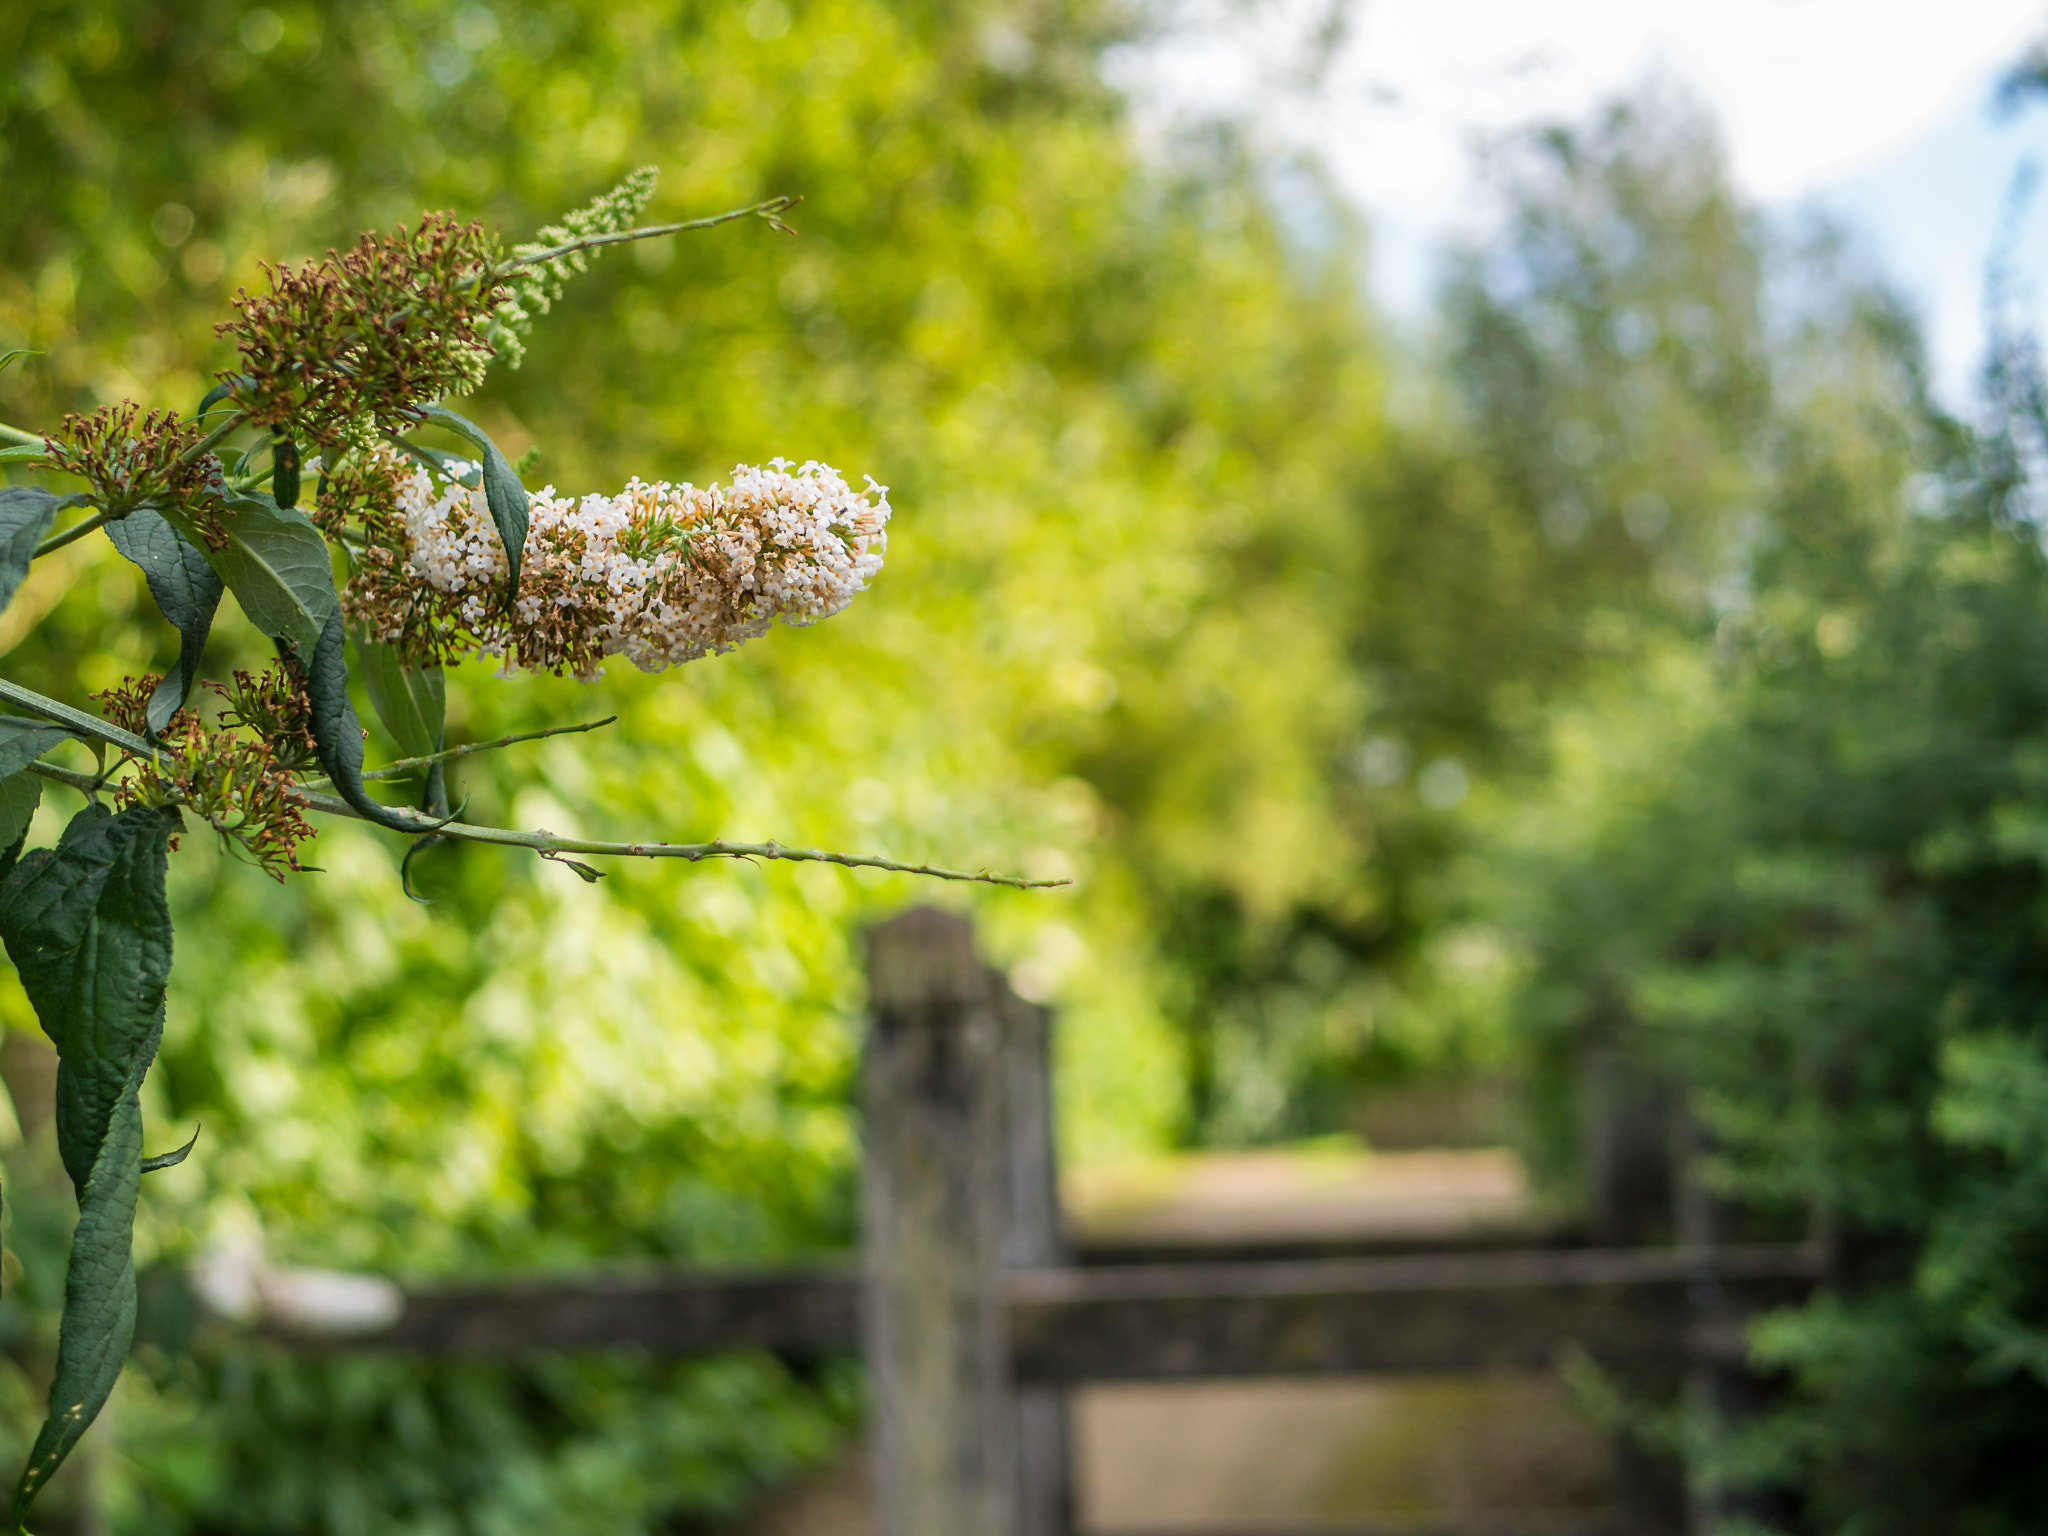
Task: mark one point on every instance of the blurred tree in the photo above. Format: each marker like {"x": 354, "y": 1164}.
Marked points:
{"x": 1786, "y": 866}
{"x": 1575, "y": 493}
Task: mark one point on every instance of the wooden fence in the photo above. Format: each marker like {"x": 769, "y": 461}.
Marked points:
{"x": 974, "y": 1320}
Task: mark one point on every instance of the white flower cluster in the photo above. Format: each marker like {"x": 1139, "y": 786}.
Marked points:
{"x": 660, "y": 574}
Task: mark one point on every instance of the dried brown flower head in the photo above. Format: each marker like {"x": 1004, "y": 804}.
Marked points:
{"x": 350, "y": 344}
{"x": 241, "y": 785}
{"x": 131, "y": 463}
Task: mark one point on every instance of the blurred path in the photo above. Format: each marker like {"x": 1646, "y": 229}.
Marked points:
{"x": 1499, "y": 1455}
{"x": 1277, "y": 1194}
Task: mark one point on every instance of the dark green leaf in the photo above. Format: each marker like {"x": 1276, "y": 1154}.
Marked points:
{"x": 22, "y": 741}
{"x": 277, "y": 565}
{"x": 337, "y": 732}
{"x": 98, "y": 1326}
{"x": 89, "y": 930}
{"x": 284, "y": 477}
{"x": 8, "y": 357}
{"x": 26, "y": 512}
{"x": 502, "y": 490}
{"x": 171, "y": 1159}
{"x": 412, "y": 705}
{"x": 218, "y": 393}
{"x": 20, "y": 794}
{"x": 186, "y": 588}
{"x": 442, "y": 464}
{"x": 93, "y": 946}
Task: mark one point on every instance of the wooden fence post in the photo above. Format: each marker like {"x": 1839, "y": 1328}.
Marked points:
{"x": 1032, "y": 1239}
{"x": 1720, "y": 1390}
{"x": 1626, "y": 1142}
{"x": 935, "y": 1190}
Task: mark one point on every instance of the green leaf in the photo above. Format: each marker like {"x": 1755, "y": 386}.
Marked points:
{"x": 26, "y": 512}
{"x": 89, "y": 930}
{"x": 8, "y": 357}
{"x": 20, "y": 794}
{"x": 22, "y": 741}
{"x": 98, "y": 1326}
{"x": 284, "y": 472}
{"x": 502, "y": 490}
{"x": 172, "y": 1158}
{"x": 93, "y": 947}
{"x": 186, "y": 588}
{"x": 337, "y": 732}
{"x": 437, "y": 462}
{"x": 21, "y": 451}
{"x": 218, "y": 393}
{"x": 412, "y": 705}
{"x": 277, "y": 565}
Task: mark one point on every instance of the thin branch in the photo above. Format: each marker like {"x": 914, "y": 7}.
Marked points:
{"x": 20, "y": 438}
{"x": 767, "y": 210}
{"x": 84, "y": 783}
{"x": 405, "y": 765}
{"x": 548, "y": 845}
{"x": 545, "y": 843}
{"x": 85, "y": 724}
{"x": 75, "y": 532}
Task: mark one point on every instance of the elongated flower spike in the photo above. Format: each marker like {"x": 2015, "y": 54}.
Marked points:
{"x": 660, "y": 574}
{"x": 535, "y": 286}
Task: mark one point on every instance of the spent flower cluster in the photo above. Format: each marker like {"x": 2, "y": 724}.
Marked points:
{"x": 238, "y": 777}
{"x": 351, "y": 345}
{"x": 660, "y": 574}
{"x": 130, "y": 463}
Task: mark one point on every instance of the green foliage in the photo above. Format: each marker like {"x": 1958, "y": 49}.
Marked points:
{"x": 187, "y": 591}
{"x": 26, "y": 513}
{"x": 277, "y": 565}
{"x": 412, "y": 704}
{"x": 1786, "y": 864}
{"x": 89, "y": 930}
{"x": 23, "y": 740}
{"x": 364, "y": 1446}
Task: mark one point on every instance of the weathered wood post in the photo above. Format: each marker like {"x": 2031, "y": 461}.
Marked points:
{"x": 1626, "y": 1138}
{"x": 1032, "y": 1239}
{"x": 1720, "y": 1390}
{"x": 935, "y": 1193}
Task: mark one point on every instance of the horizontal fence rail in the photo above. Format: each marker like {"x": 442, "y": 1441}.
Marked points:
{"x": 668, "y": 1312}
{"x": 1368, "y": 1316}
{"x": 1147, "y": 1322}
